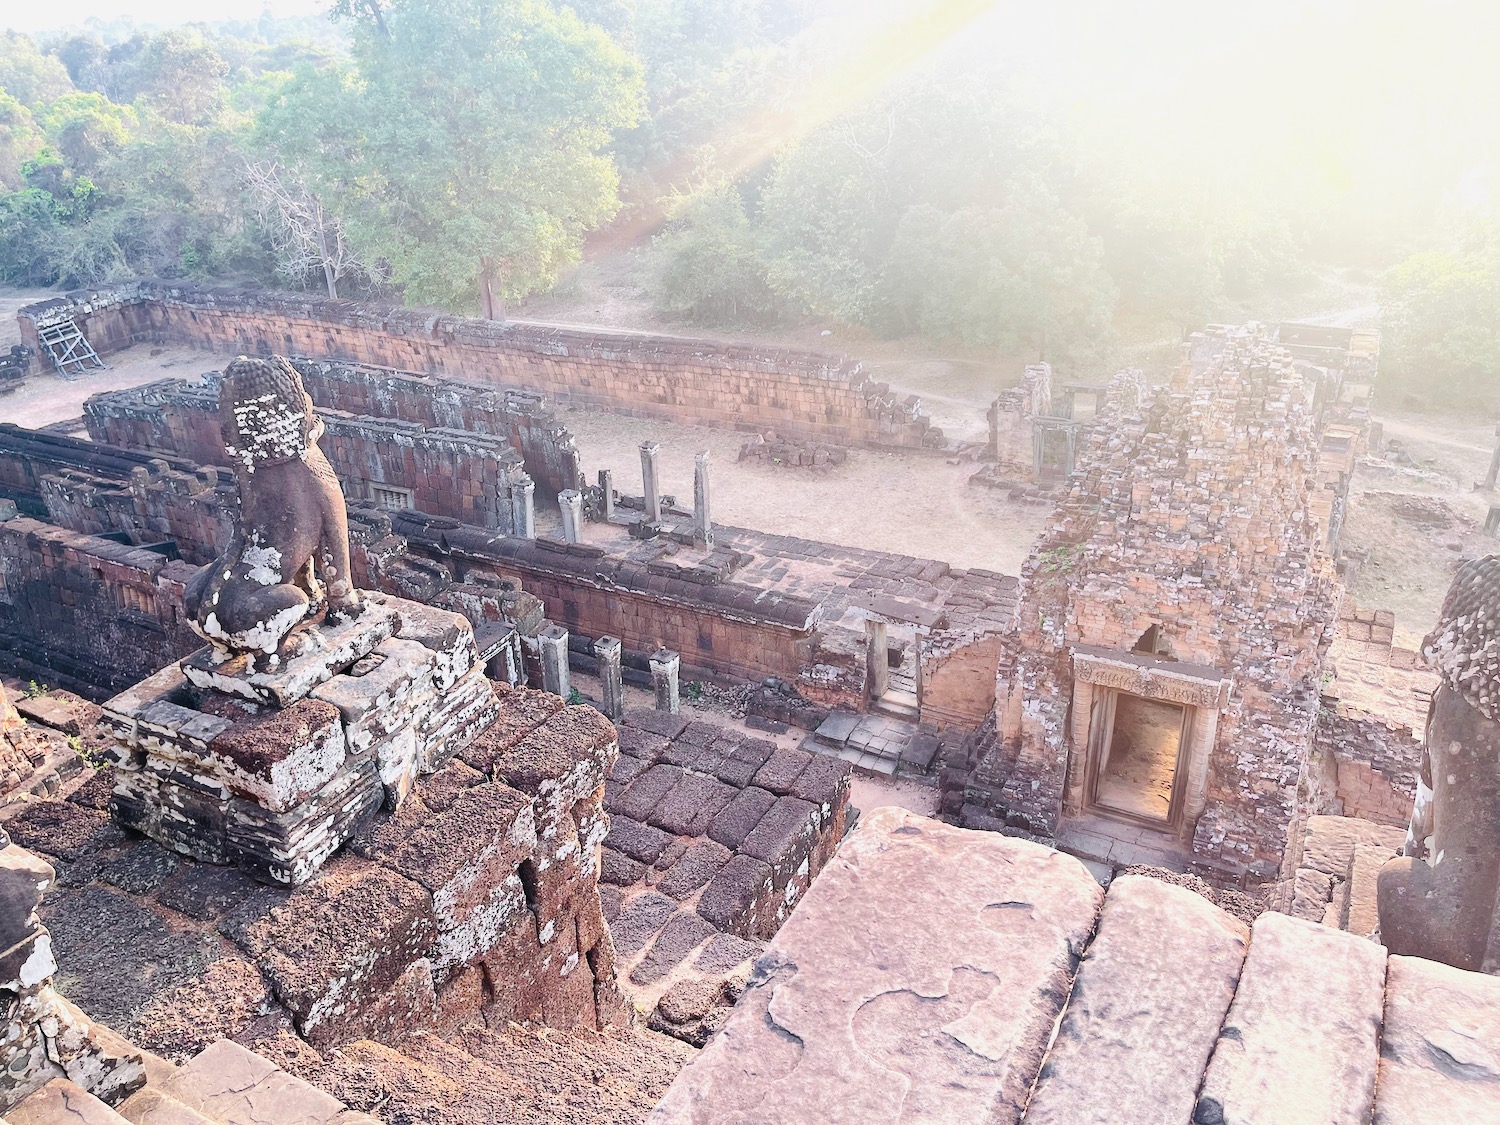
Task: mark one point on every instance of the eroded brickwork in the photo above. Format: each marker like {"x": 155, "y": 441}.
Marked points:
{"x": 181, "y": 418}
{"x": 1190, "y": 517}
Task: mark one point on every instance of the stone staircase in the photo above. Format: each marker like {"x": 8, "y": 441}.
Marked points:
{"x": 223, "y": 1085}
{"x": 1333, "y": 879}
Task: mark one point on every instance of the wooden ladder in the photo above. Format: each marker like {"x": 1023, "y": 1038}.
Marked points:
{"x": 69, "y": 348}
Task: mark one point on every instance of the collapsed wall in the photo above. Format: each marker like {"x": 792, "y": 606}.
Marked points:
{"x": 1184, "y": 567}
{"x": 690, "y": 382}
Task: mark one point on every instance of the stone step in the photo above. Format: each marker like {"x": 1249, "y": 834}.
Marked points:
{"x": 152, "y": 1107}
{"x": 1301, "y": 1041}
{"x": 229, "y": 1085}
{"x": 1116, "y": 1058}
{"x": 898, "y": 708}
{"x": 60, "y": 1102}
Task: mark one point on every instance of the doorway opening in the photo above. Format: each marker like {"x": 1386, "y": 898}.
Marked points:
{"x": 1138, "y": 756}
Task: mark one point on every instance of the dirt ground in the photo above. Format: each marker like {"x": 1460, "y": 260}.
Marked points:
{"x": 50, "y": 398}
{"x": 907, "y": 503}
{"x": 1418, "y": 522}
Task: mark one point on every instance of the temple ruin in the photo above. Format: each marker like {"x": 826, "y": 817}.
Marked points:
{"x": 386, "y": 756}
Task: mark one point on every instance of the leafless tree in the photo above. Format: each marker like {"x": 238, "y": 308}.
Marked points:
{"x": 303, "y": 234}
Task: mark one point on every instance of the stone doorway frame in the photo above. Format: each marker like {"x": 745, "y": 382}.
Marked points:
{"x": 1203, "y": 692}
{"x": 1102, "y": 731}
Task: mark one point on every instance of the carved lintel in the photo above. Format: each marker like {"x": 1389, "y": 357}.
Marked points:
{"x": 1153, "y": 681}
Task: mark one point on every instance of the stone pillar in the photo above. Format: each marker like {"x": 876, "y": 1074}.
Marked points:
{"x": 552, "y": 642}
{"x": 649, "y": 451}
{"x": 571, "y": 503}
{"x": 607, "y": 651}
{"x": 1489, "y": 477}
{"x": 877, "y": 659}
{"x": 703, "y": 527}
{"x": 665, "y": 666}
{"x": 607, "y": 492}
{"x": 522, "y": 516}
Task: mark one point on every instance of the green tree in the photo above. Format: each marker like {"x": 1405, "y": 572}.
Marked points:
{"x": 182, "y": 77}
{"x": 85, "y": 128}
{"x": 1440, "y": 320}
{"x": 1025, "y": 277}
{"x": 475, "y": 178}
{"x": 20, "y": 140}
{"x": 715, "y": 270}
{"x": 29, "y": 76}
{"x": 87, "y": 61}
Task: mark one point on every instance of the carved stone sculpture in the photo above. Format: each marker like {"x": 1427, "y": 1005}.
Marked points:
{"x": 1441, "y": 898}
{"x": 289, "y": 555}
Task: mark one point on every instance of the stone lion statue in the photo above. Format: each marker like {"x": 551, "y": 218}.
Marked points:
{"x": 1439, "y": 898}
{"x": 289, "y": 555}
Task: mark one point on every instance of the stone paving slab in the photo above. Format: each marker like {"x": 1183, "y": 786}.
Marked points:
{"x": 1301, "y": 1041}
{"x": 1145, "y": 1010}
{"x": 894, "y": 996}
{"x": 838, "y": 727}
{"x": 1440, "y": 1047}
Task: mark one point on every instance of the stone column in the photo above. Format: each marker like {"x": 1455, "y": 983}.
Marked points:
{"x": 649, "y": 451}
{"x": 571, "y": 503}
{"x": 665, "y": 666}
{"x": 522, "y": 515}
{"x": 607, "y": 491}
{"x": 1489, "y": 477}
{"x": 703, "y": 527}
{"x": 607, "y": 651}
{"x": 877, "y": 659}
{"x": 552, "y": 642}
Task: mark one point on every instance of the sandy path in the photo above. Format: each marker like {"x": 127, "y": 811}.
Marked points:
{"x": 49, "y": 398}
{"x": 905, "y": 503}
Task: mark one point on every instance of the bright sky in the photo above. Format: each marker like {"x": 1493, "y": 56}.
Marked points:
{"x": 21, "y": 16}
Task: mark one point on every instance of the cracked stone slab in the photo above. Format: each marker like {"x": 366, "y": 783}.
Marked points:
{"x": 1302, "y": 1038}
{"x": 1440, "y": 1049}
{"x": 230, "y": 1084}
{"x": 1145, "y": 1010}
{"x": 918, "y": 981}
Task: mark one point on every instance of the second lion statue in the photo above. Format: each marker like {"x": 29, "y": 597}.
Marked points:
{"x": 289, "y": 555}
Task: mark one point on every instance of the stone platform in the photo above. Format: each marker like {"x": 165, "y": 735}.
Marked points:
{"x": 274, "y": 770}
{"x": 938, "y": 974}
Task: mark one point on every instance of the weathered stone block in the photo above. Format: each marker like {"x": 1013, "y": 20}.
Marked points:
{"x": 337, "y": 945}
{"x": 782, "y": 769}
{"x": 1301, "y": 1041}
{"x": 851, "y": 1013}
{"x": 1145, "y": 1009}
{"x": 1440, "y": 1045}
{"x": 639, "y": 841}
{"x": 280, "y": 758}
{"x": 691, "y": 805}
{"x": 698, "y": 865}
{"x": 737, "y": 819}
{"x": 736, "y": 894}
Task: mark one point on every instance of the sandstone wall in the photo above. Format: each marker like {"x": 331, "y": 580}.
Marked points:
{"x": 691, "y": 382}
{"x": 450, "y": 472}
{"x": 1010, "y": 416}
{"x": 193, "y": 511}
{"x": 106, "y": 613}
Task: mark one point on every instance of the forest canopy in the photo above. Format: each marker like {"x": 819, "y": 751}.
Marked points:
{"x": 1038, "y": 180}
